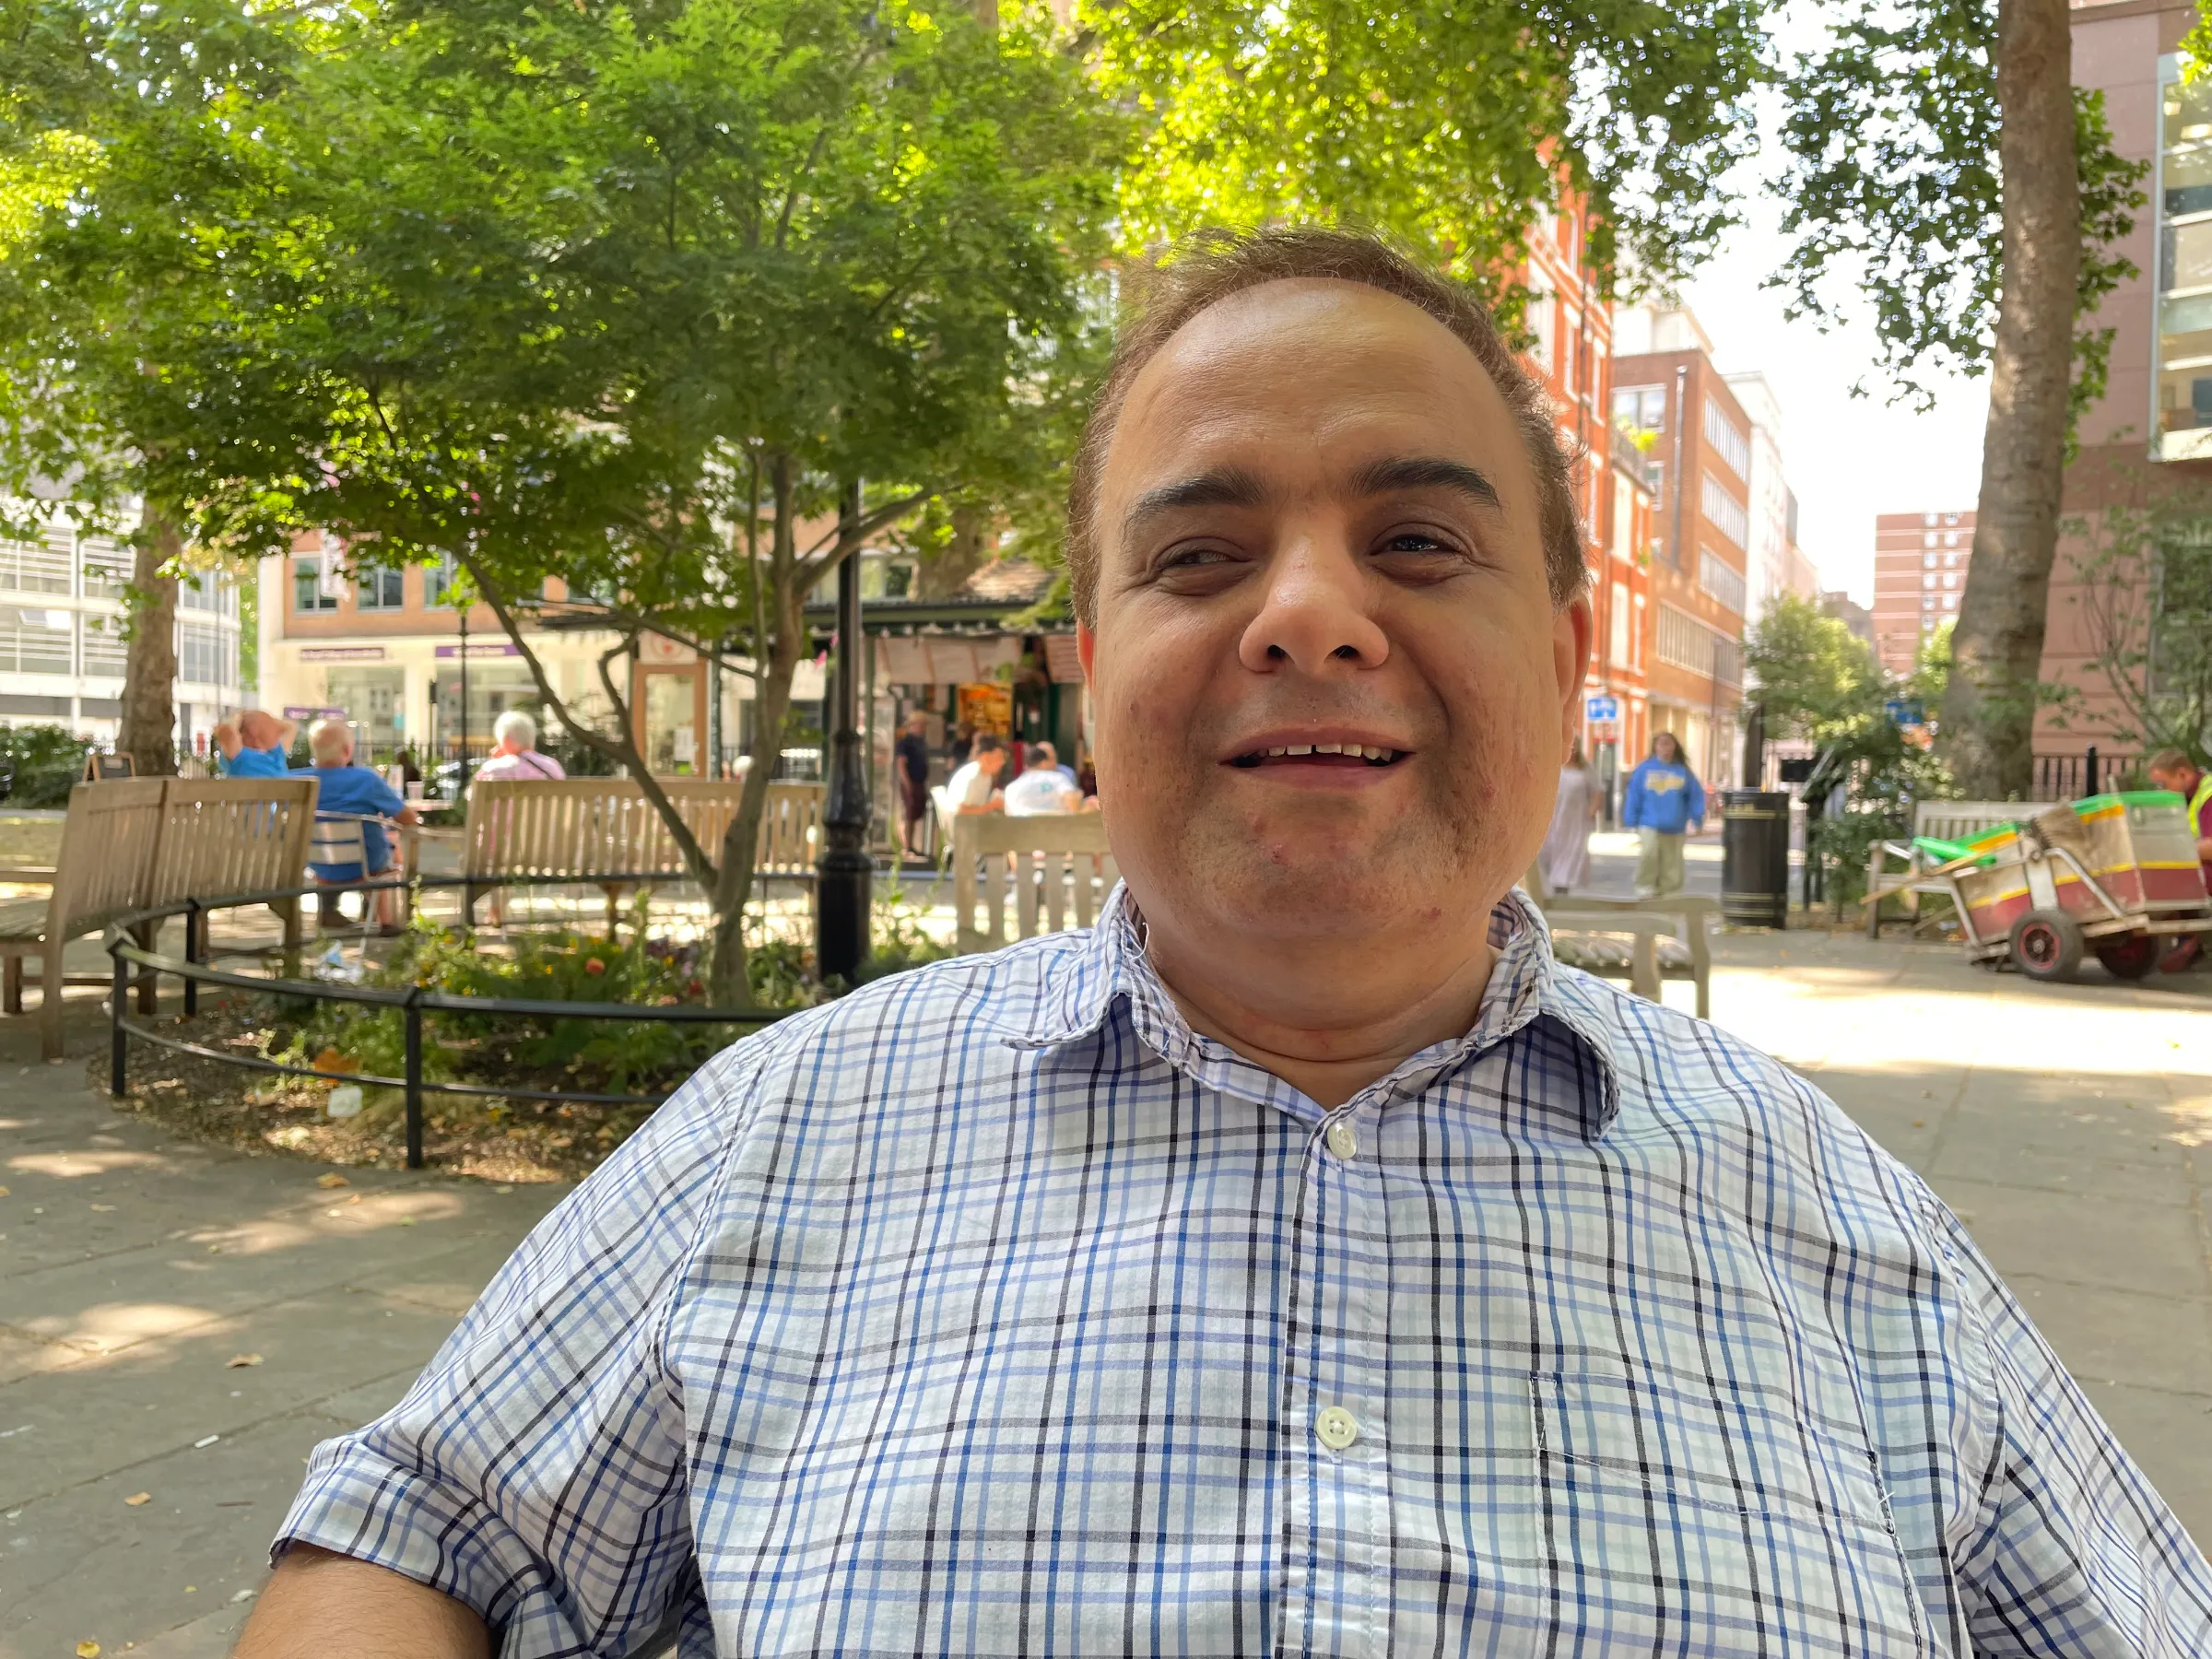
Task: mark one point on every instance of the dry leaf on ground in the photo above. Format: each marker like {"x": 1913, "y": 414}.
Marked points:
{"x": 135, "y": 1499}
{"x": 237, "y": 1359}
{"x": 88, "y": 1650}
{"x": 331, "y": 1180}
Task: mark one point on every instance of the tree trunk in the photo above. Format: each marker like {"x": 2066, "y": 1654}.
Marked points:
{"x": 149, "y": 672}
{"x": 728, "y": 982}
{"x": 1988, "y": 718}
{"x": 943, "y": 574}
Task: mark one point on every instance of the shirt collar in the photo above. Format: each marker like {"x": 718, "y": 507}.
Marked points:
{"x": 1112, "y": 968}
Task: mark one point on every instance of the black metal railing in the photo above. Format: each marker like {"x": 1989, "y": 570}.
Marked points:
{"x": 136, "y": 967}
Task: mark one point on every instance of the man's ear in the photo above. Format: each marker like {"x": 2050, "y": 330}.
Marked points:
{"x": 1087, "y": 648}
{"x": 1571, "y": 634}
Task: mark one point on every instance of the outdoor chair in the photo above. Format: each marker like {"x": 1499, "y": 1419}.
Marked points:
{"x": 1644, "y": 941}
{"x": 1055, "y": 867}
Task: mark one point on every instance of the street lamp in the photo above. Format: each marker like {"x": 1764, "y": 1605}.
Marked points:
{"x": 844, "y": 874}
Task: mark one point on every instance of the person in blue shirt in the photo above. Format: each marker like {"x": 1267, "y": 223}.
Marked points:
{"x": 346, "y": 791}
{"x": 256, "y": 746}
{"x": 1664, "y": 800}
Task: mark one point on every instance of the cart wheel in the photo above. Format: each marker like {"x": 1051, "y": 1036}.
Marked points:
{"x": 2046, "y": 945}
{"x": 2129, "y": 956}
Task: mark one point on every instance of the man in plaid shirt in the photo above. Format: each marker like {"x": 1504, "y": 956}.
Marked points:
{"x": 1300, "y": 1261}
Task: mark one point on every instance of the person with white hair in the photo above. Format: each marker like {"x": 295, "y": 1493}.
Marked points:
{"x": 346, "y": 791}
{"x": 514, "y": 751}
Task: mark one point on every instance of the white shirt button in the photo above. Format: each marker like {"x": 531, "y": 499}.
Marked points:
{"x": 1335, "y": 1428}
{"x": 1344, "y": 1140}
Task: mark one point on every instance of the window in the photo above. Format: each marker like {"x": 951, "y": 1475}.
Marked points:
{"x": 1619, "y": 617}
{"x": 1639, "y": 408}
{"x": 1636, "y": 638}
{"x": 207, "y": 654}
{"x": 1725, "y": 436}
{"x": 103, "y": 646}
{"x": 1951, "y": 518}
{"x": 1928, "y": 561}
{"x": 1927, "y": 518}
{"x": 1688, "y": 643}
{"x": 1950, "y": 579}
{"x": 436, "y": 580}
{"x": 1930, "y": 538}
{"x": 34, "y": 567}
{"x": 1540, "y": 325}
{"x": 1721, "y": 580}
{"x": 106, "y": 567}
{"x": 378, "y": 590}
{"x": 35, "y": 642}
{"x": 1726, "y": 513}
{"x": 208, "y": 591}
{"x": 1950, "y": 559}
{"x": 1951, "y": 602}
{"x": 309, "y": 592}
{"x": 2183, "y": 273}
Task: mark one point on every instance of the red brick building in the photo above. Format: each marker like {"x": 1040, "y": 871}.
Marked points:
{"x": 1920, "y": 563}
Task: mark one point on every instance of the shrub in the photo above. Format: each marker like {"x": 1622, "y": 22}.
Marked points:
{"x": 40, "y": 763}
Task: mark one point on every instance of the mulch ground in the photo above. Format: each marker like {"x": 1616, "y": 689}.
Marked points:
{"x": 264, "y": 1113}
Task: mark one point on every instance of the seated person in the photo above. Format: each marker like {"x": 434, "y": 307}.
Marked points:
{"x": 254, "y": 747}
{"x": 514, "y": 754}
{"x": 345, "y": 790}
{"x": 1052, "y": 758}
{"x": 974, "y": 787}
{"x": 1042, "y": 787}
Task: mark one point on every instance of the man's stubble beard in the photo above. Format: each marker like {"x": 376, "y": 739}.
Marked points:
{"x": 1407, "y": 864}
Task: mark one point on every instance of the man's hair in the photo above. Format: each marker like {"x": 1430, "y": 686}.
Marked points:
{"x": 987, "y": 744}
{"x": 260, "y": 723}
{"x": 1036, "y": 754}
{"x": 517, "y": 727}
{"x": 330, "y": 740}
{"x": 1215, "y": 265}
{"x": 2169, "y": 760}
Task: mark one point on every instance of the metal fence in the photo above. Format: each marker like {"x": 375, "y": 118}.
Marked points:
{"x": 136, "y": 967}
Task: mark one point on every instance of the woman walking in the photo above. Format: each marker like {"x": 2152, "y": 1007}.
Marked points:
{"x": 1566, "y": 857}
{"x": 1664, "y": 801}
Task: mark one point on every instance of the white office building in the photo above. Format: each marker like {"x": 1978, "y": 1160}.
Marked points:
{"x": 60, "y": 636}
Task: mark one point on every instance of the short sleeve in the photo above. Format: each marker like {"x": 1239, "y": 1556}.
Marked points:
{"x": 535, "y": 1471}
{"x": 2071, "y": 1551}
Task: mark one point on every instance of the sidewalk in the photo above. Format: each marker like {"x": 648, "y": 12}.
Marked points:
{"x": 2070, "y": 1125}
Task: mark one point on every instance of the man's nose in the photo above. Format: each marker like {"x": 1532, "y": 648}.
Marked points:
{"x": 1314, "y": 612}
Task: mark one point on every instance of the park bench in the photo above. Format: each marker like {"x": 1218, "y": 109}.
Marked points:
{"x": 137, "y": 842}
{"x": 1938, "y": 820}
{"x": 1644, "y": 941}
{"x": 587, "y": 830}
{"x": 1054, "y": 867}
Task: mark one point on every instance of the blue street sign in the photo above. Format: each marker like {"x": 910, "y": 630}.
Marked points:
{"x": 1597, "y": 708}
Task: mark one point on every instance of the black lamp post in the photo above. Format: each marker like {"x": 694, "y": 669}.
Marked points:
{"x": 844, "y": 874}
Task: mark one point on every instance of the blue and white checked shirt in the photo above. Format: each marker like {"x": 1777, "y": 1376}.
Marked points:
{"x": 991, "y": 1310}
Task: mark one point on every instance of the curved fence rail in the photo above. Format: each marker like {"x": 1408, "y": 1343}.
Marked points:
{"x": 137, "y": 966}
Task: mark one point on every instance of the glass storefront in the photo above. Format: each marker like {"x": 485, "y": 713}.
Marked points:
{"x": 493, "y": 688}
{"x": 375, "y": 702}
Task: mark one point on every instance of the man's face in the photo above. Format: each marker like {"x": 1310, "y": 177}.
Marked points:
{"x": 2182, "y": 783}
{"x": 1331, "y": 691}
{"x": 992, "y": 761}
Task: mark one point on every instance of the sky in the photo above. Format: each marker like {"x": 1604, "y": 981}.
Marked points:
{"x": 1847, "y": 458}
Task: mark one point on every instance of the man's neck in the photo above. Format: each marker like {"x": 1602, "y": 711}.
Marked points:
{"x": 1327, "y": 1021}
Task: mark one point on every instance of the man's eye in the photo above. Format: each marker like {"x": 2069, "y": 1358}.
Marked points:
{"x": 1185, "y": 559}
{"x": 1414, "y": 541}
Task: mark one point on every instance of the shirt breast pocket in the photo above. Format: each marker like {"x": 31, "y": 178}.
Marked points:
{"x": 1720, "y": 1517}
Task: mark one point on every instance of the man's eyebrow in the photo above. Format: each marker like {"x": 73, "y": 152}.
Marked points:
{"x": 1225, "y": 486}
{"x": 1424, "y": 472}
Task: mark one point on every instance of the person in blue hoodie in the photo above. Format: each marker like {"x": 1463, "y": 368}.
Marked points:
{"x": 1664, "y": 802}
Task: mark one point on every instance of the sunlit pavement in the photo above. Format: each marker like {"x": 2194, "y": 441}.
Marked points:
{"x": 2071, "y": 1125}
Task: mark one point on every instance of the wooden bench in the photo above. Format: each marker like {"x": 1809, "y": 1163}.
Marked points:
{"x": 1942, "y": 821}
{"x": 585, "y": 829}
{"x": 137, "y": 842}
{"x": 1055, "y": 867}
{"x": 1644, "y": 941}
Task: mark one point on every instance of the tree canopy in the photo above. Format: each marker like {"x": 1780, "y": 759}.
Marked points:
{"x": 1452, "y": 126}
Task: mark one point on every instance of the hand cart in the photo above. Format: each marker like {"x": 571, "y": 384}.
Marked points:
{"x": 2116, "y": 873}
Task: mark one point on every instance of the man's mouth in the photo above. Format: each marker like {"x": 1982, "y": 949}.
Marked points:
{"x": 1321, "y": 754}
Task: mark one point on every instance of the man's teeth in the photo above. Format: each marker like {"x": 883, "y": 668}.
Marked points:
{"x": 1360, "y": 751}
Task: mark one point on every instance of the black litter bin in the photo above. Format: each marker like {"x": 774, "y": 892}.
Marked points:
{"x": 1755, "y": 858}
